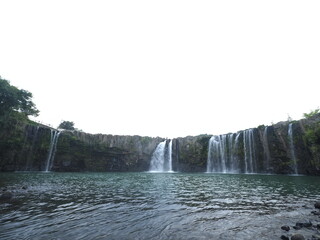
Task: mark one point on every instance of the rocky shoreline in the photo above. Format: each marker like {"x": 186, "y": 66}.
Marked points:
{"x": 306, "y": 229}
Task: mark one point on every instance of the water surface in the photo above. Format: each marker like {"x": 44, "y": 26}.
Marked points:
{"x": 153, "y": 205}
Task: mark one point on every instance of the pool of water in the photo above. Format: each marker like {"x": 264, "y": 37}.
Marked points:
{"x": 153, "y": 205}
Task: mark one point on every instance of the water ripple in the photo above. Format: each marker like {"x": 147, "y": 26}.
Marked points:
{"x": 152, "y": 206}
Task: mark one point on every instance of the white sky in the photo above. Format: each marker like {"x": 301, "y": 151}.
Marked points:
{"x": 164, "y": 68}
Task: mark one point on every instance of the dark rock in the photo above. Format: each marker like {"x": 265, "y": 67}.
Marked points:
{"x": 286, "y": 228}
{"x": 318, "y": 226}
{"x": 297, "y": 237}
{"x": 304, "y": 223}
{"x": 317, "y": 205}
{"x": 297, "y": 227}
{"x": 6, "y": 196}
{"x": 315, "y": 237}
{"x": 283, "y": 237}
{"x": 316, "y": 213}
{"x": 24, "y": 187}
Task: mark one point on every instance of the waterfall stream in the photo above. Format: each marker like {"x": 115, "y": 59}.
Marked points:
{"x": 161, "y": 160}
{"x": 221, "y": 154}
{"x": 224, "y": 153}
{"x": 170, "y": 156}
{"x": 52, "y": 149}
{"x": 249, "y": 151}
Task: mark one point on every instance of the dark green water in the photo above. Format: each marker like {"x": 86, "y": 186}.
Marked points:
{"x": 153, "y": 206}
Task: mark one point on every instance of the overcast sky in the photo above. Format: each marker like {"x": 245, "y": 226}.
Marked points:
{"x": 166, "y": 68}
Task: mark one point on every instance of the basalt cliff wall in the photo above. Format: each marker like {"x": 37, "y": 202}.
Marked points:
{"x": 28, "y": 147}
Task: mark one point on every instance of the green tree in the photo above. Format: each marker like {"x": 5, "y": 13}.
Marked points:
{"x": 312, "y": 113}
{"x": 67, "y": 125}
{"x": 13, "y": 99}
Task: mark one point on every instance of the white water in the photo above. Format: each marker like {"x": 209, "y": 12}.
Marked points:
{"x": 292, "y": 151}
{"x": 217, "y": 154}
{"x": 214, "y": 158}
{"x": 230, "y": 145}
{"x": 170, "y": 156}
{"x": 52, "y": 149}
{"x": 249, "y": 151}
{"x": 161, "y": 160}
{"x": 235, "y": 168}
{"x": 209, "y": 159}
{"x": 223, "y": 153}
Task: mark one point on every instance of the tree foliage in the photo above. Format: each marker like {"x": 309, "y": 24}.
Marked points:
{"x": 13, "y": 99}
{"x": 312, "y": 113}
{"x": 67, "y": 125}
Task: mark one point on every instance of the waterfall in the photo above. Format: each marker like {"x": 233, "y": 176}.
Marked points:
{"x": 213, "y": 157}
{"x": 292, "y": 151}
{"x": 170, "y": 156}
{"x": 52, "y": 149}
{"x": 209, "y": 158}
{"x": 266, "y": 150}
{"x": 230, "y": 152}
{"x": 222, "y": 153}
{"x": 216, "y": 161}
{"x": 161, "y": 160}
{"x": 249, "y": 151}
{"x": 234, "y": 156}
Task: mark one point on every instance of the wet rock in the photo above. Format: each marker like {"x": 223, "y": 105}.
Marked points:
{"x": 283, "y": 237}
{"x": 304, "y": 223}
{"x": 297, "y": 237}
{"x": 285, "y": 227}
{"x": 6, "y": 196}
{"x": 315, "y": 237}
{"x": 24, "y": 187}
{"x": 316, "y": 213}
{"x": 297, "y": 227}
{"x": 317, "y": 205}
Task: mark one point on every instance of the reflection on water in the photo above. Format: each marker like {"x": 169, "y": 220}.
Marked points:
{"x": 152, "y": 206}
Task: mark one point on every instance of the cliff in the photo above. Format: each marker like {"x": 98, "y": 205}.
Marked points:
{"x": 283, "y": 148}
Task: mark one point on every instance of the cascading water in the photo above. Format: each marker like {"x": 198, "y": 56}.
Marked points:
{"x": 249, "y": 151}
{"x": 161, "y": 160}
{"x": 223, "y": 154}
{"x": 218, "y": 158}
{"x": 292, "y": 151}
{"x": 170, "y": 156}
{"x": 266, "y": 150}
{"x": 230, "y": 151}
{"x": 214, "y": 156}
{"x": 209, "y": 158}
{"x": 224, "y": 150}
{"x": 52, "y": 149}
{"x": 234, "y": 156}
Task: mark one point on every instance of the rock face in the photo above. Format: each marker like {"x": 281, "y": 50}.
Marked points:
{"x": 77, "y": 151}
{"x": 283, "y": 148}
{"x": 297, "y": 237}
